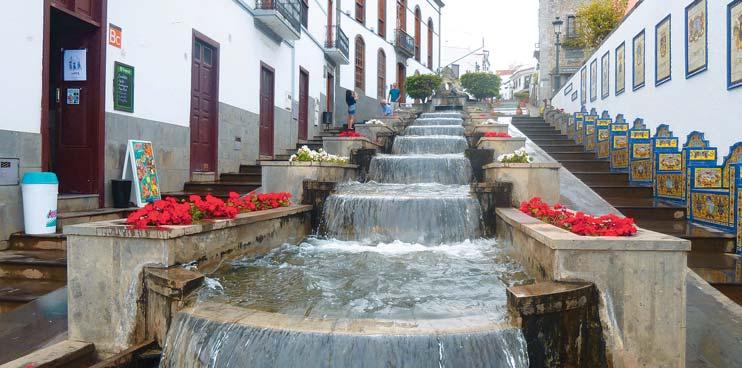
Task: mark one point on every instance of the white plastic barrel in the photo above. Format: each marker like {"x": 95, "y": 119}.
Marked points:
{"x": 40, "y": 190}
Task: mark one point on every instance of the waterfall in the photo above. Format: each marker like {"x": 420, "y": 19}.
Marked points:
{"x": 401, "y": 278}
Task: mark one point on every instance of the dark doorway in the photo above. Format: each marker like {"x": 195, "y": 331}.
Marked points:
{"x": 204, "y": 100}
{"x": 267, "y": 103}
{"x": 72, "y": 122}
{"x": 401, "y": 80}
{"x": 303, "y": 104}
{"x": 330, "y": 93}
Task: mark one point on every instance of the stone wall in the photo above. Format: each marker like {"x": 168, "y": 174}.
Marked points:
{"x": 172, "y": 150}
{"x": 367, "y": 109}
{"x": 27, "y": 147}
{"x": 234, "y": 124}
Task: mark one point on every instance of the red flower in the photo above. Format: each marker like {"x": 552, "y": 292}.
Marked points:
{"x": 350, "y": 134}
{"x": 496, "y": 135}
{"x": 578, "y": 222}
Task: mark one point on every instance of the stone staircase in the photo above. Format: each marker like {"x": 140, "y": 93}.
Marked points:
{"x": 712, "y": 255}
{"x": 35, "y": 265}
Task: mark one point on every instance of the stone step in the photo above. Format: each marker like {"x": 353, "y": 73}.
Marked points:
{"x": 647, "y": 209}
{"x": 622, "y": 191}
{"x": 601, "y": 178}
{"x": 242, "y": 177}
{"x": 221, "y": 187}
{"x": 34, "y": 264}
{"x": 81, "y": 217}
{"x": 586, "y": 165}
{"x": 542, "y": 136}
{"x": 553, "y": 142}
{"x": 251, "y": 169}
{"x": 732, "y": 291}
{"x": 68, "y": 354}
{"x": 23, "y": 241}
{"x": 17, "y": 292}
{"x": 548, "y": 148}
{"x": 77, "y": 202}
{"x": 717, "y": 268}
{"x": 203, "y": 176}
{"x": 572, "y": 156}
{"x": 703, "y": 239}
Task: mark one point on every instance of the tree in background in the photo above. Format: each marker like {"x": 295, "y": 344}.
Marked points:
{"x": 595, "y": 21}
{"x": 421, "y": 87}
{"x": 481, "y": 84}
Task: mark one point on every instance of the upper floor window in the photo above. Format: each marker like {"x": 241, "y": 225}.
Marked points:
{"x": 430, "y": 43}
{"x": 381, "y": 75}
{"x": 402, "y": 15}
{"x": 418, "y": 33}
{"x": 571, "y": 26}
{"x": 361, "y": 11}
{"x": 305, "y": 13}
{"x": 360, "y": 72}
{"x": 382, "y": 18}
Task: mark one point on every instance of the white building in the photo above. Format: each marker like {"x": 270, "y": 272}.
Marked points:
{"x": 216, "y": 83}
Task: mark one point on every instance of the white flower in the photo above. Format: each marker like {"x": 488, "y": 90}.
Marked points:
{"x": 375, "y": 122}
{"x": 489, "y": 122}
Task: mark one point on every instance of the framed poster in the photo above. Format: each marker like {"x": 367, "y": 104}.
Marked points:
{"x": 140, "y": 163}
{"x": 662, "y": 51}
{"x": 696, "y": 38}
{"x": 593, "y": 80}
{"x": 734, "y": 44}
{"x": 605, "y": 68}
{"x": 638, "y": 58}
{"x": 621, "y": 68}
{"x": 583, "y": 85}
{"x": 123, "y": 87}
{"x": 75, "y": 66}
{"x": 574, "y": 96}
{"x": 568, "y": 89}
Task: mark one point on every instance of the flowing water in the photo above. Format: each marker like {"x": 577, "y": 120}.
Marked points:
{"x": 401, "y": 278}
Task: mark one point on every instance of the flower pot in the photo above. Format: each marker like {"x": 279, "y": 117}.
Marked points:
{"x": 121, "y": 190}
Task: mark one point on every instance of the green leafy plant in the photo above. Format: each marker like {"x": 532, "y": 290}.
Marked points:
{"x": 595, "y": 21}
{"x": 481, "y": 84}
{"x": 422, "y": 86}
{"x": 522, "y": 95}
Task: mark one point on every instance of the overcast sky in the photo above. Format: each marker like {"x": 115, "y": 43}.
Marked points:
{"x": 509, "y": 29}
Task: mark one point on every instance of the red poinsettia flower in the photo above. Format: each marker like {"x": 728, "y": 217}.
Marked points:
{"x": 496, "y": 135}
{"x": 578, "y": 222}
{"x": 350, "y": 134}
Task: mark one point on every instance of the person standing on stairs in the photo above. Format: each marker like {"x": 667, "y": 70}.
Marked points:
{"x": 351, "y": 98}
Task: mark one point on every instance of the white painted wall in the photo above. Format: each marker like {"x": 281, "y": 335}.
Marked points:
{"x": 700, "y": 103}
{"x": 22, "y": 27}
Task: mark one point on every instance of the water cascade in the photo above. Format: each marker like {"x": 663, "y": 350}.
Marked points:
{"x": 402, "y": 278}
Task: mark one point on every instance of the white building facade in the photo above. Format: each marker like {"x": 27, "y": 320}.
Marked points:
{"x": 213, "y": 84}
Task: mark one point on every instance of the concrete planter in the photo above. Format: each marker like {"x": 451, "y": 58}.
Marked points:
{"x": 343, "y": 146}
{"x": 289, "y": 176}
{"x": 106, "y": 262}
{"x": 502, "y": 146}
{"x": 489, "y": 128}
{"x": 371, "y": 131}
{"x": 529, "y": 180}
{"x": 641, "y": 281}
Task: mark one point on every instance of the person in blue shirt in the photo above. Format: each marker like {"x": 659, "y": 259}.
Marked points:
{"x": 394, "y": 94}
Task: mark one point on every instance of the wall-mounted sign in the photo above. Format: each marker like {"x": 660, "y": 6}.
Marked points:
{"x": 73, "y": 96}
{"x": 115, "y": 36}
{"x": 123, "y": 87}
{"x": 140, "y": 164}
{"x": 75, "y": 65}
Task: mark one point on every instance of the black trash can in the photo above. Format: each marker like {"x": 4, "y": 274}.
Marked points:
{"x": 121, "y": 193}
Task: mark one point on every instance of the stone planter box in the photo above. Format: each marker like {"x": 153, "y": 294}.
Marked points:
{"x": 489, "y": 128}
{"x": 343, "y": 146}
{"x": 289, "y": 176}
{"x": 641, "y": 281}
{"x": 371, "y": 131}
{"x": 105, "y": 263}
{"x": 529, "y": 180}
{"x": 502, "y": 146}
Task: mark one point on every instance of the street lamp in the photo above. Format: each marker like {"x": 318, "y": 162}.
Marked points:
{"x": 558, "y": 32}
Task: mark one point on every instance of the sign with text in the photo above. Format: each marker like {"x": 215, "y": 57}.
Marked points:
{"x": 123, "y": 87}
{"x": 115, "y": 36}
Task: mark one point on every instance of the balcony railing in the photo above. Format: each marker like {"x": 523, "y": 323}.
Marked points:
{"x": 289, "y": 9}
{"x": 404, "y": 43}
{"x": 336, "y": 39}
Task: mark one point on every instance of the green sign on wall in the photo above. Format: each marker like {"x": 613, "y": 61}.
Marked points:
{"x": 123, "y": 87}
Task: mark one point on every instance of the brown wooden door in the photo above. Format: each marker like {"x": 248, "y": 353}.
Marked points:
{"x": 267, "y": 103}
{"x": 330, "y": 93}
{"x": 303, "y": 104}
{"x": 204, "y": 97}
{"x": 401, "y": 80}
{"x": 330, "y": 22}
{"x": 76, "y": 124}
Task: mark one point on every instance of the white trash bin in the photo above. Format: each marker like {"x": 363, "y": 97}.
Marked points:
{"x": 40, "y": 191}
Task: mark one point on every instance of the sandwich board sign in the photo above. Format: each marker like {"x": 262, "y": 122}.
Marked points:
{"x": 140, "y": 164}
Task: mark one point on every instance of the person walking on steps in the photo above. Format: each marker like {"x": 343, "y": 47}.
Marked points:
{"x": 394, "y": 94}
{"x": 351, "y": 98}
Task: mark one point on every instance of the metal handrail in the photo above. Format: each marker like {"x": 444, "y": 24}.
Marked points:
{"x": 405, "y": 42}
{"x": 289, "y": 9}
